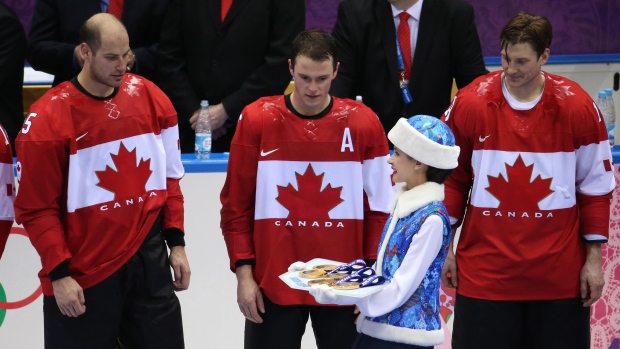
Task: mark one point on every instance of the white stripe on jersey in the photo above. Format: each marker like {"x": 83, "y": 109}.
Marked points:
{"x": 6, "y": 201}
{"x": 592, "y": 176}
{"x": 83, "y": 190}
{"x": 546, "y": 165}
{"x": 345, "y": 174}
{"x": 174, "y": 167}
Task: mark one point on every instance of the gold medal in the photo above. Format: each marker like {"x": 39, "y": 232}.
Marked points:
{"x": 327, "y": 282}
{"x": 311, "y": 274}
{"x": 336, "y": 276}
{"x": 325, "y": 267}
{"x": 346, "y": 286}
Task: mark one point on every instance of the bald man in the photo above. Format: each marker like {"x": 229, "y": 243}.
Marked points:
{"x": 108, "y": 203}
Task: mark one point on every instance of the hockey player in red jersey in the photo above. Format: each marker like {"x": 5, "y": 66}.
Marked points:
{"x": 533, "y": 189}
{"x": 7, "y": 181}
{"x": 99, "y": 169}
{"x": 307, "y": 177}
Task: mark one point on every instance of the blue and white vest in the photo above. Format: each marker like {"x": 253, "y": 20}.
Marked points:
{"x": 417, "y": 321}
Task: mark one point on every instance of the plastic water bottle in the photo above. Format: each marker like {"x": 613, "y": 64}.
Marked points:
{"x": 603, "y": 105}
{"x": 202, "y": 148}
{"x": 611, "y": 107}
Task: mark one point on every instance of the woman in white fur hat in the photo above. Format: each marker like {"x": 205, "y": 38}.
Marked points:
{"x": 414, "y": 243}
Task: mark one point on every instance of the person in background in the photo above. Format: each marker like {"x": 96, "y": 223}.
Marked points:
{"x": 533, "y": 191}
{"x": 227, "y": 52}
{"x": 307, "y": 177}
{"x": 401, "y": 56}
{"x": 99, "y": 169}
{"x": 414, "y": 244}
{"x": 12, "y": 56}
{"x": 53, "y": 41}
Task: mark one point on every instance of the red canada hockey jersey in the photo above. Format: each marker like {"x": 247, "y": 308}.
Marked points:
{"x": 7, "y": 189}
{"x": 540, "y": 180}
{"x": 297, "y": 189}
{"x": 94, "y": 175}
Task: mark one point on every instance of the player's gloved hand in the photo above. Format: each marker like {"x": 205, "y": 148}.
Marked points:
{"x": 297, "y": 266}
{"x": 323, "y": 294}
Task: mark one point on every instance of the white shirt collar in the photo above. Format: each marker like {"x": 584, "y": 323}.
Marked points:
{"x": 414, "y": 11}
{"x": 514, "y": 103}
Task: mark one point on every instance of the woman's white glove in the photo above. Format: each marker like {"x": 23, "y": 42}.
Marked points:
{"x": 297, "y": 266}
{"x": 323, "y": 294}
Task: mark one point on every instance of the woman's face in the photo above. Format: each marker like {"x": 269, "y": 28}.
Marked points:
{"x": 406, "y": 169}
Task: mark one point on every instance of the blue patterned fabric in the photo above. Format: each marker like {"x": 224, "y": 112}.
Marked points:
{"x": 421, "y": 311}
{"x": 433, "y": 128}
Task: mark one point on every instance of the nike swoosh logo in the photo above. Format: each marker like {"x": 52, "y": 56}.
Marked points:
{"x": 263, "y": 153}
{"x": 80, "y": 137}
{"x": 482, "y": 139}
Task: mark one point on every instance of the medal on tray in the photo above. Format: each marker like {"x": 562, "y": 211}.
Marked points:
{"x": 348, "y": 285}
{"x": 325, "y": 267}
{"x": 327, "y": 282}
{"x": 312, "y": 274}
{"x": 349, "y": 268}
{"x": 364, "y": 277}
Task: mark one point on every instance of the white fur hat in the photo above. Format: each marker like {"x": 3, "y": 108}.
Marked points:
{"x": 426, "y": 139}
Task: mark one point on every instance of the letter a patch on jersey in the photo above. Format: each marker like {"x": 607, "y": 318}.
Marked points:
{"x": 347, "y": 141}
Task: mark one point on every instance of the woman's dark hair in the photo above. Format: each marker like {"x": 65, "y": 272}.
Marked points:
{"x": 437, "y": 175}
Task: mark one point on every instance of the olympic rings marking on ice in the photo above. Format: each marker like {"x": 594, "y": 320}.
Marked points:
{"x": 31, "y": 298}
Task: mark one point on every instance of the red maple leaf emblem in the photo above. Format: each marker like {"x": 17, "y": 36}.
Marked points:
{"x": 129, "y": 179}
{"x": 309, "y": 201}
{"x": 510, "y": 191}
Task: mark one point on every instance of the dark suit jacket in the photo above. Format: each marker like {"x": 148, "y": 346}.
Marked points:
{"x": 447, "y": 47}
{"x": 55, "y": 33}
{"x": 12, "y": 56}
{"x": 234, "y": 62}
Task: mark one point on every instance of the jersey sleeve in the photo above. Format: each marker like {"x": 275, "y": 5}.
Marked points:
{"x": 239, "y": 192}
{"x": 594, "y": 177}
{"x": 7, "y": 190}
{"x": 42, "y": 170}
{"x": 378, "y": 188}
{"x": 459, "y": 183}
{"x": 173, "y": 211}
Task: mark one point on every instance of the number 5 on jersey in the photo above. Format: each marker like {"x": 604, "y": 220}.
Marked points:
{"x": 28, "y": 123}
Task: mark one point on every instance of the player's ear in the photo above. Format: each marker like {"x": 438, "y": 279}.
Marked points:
{"x": 336, "y": 69}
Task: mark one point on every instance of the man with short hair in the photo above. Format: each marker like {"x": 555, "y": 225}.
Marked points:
{"x": 533, "y": 189}
{"x": 307, "y": 177}
{"x": 99, "y": 169}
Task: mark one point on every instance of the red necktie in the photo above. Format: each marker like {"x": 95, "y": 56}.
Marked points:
{"x": 404, "y": 38}
{"x": 225, "y": 7}
{"x": 116, "y": 8}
